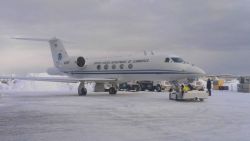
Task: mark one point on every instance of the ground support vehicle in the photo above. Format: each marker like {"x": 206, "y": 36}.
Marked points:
{"x": 193, "y": 95}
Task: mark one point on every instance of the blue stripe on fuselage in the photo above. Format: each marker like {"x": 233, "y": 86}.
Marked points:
{"x": 130, "y": 72}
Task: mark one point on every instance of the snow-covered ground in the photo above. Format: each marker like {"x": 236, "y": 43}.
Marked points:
{"x": 39, "y": 86}
{"x": 140, "y": 116}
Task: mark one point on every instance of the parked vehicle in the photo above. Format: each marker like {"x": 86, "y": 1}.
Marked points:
{"x": 145, "y": 86}
{"x": 155, "y": 85}
{"x": 129, "y": 86}
{"x": 198, "y": 85}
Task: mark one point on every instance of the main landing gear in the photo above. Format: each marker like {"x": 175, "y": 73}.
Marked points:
{"x": 112, "y": 90}
{"x": 82, "y": 91}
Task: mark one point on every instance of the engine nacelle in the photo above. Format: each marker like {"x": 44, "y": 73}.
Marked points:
{"x": 73, "y": 63}
{"x": 80, "y": 61}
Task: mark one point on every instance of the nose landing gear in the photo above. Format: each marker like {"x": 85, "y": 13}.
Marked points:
{"x": 112, "y": 91}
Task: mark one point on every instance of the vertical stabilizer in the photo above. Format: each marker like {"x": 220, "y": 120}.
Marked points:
{"x": 59, "y": 54}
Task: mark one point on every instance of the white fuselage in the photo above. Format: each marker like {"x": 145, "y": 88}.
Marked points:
{"x": 116, "y": 69}
{"x": 142, "y": 67}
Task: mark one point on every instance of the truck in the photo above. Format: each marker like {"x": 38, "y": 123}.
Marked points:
{"x": 129, "y": 86}
{"x": 145, "y": 86}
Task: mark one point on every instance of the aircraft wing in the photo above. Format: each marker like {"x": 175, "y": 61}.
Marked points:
{"x": 56, "y": 79}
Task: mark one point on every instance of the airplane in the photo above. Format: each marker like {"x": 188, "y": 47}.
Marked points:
{"x": 78, "y": 69}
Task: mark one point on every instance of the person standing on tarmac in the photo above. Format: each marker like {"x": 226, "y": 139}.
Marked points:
{"x": 182, "y": 90}
{"x": 209, "y": 85}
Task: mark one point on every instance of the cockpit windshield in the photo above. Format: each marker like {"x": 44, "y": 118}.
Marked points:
{"x": 177, "y": 60}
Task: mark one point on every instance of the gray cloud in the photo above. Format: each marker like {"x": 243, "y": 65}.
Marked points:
{"x": 212, "y": 34}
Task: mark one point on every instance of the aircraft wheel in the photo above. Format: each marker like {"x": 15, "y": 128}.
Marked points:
{"x": 158, "y": 88}
{"x": 82, "y": 91}
{"x": 112, "y": 91}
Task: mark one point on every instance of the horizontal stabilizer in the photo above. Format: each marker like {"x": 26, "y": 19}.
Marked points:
{"x": 58, "y": 51}
{"x": 33, "y": 39}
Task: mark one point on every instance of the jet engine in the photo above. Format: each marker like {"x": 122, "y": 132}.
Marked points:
{"x": 73, "y": 63}
{"x": 80, "y": 61}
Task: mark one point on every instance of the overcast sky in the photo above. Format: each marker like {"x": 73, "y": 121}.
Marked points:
{"x": 213, "y": 34}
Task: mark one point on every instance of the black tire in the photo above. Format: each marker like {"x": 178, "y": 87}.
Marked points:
{"x": 158, "y": 88}
{"x": 112, "y": 91}
{"x": 82, "y": 91}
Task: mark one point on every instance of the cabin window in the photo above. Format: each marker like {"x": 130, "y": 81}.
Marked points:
{"x": 113, "y": 66}
{"x": 177, "y": 60}
{"x": 167, "y": 60}
{"x": 122, "y": 66}
{"x": 98, "y": 67}
{"x": 106, "y": 66}
{"x": 130, "y": 66}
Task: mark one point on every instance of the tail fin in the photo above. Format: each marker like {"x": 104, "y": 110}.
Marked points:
{"x": 59, "y": 53}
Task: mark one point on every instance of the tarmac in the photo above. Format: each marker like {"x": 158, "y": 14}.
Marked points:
{"x": 134, "y": 116}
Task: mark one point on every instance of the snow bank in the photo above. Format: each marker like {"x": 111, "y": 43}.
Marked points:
{"x": 38, "y": 86}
